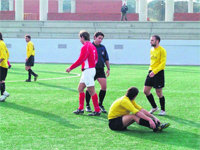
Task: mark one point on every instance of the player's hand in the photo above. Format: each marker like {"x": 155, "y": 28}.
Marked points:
{"x": 107, "y": 73}
{"x": 68, "y": 70}
{"x": 152, "y": 124}
{"x": 156, "y": 120}
{"x": 151, "y": 74}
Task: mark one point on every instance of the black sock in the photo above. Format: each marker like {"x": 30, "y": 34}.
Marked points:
{"x": 3, "y": 87}
{"x": 101, "y": 97}
{"x": 162, "y": 103}
{"x": 151, "y": 101}
{"x": 29, "y": 74}
{"x": 87, "y": 98}
{"x": 143, "y": 122}
{"x": 33, "y": 73}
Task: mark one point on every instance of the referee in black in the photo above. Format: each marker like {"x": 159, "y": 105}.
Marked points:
{"x": 30, "y": 58}
{"x": 100, "y": 76}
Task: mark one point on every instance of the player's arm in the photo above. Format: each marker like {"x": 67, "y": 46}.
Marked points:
{"x": 150, "y": 115}
{"x": 2, "y": 54}
{"x": 162, "y": 62}
{"x": 108, "y": 68}
{"x": 30, "y": 49}
{"x": 80, "y": 60}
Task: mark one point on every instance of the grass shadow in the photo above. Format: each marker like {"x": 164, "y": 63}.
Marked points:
{"x": 170, "y": 136}
{"x": 47, "y": 115}
{"x": 56, "y": 86}
{"x": 183, "y": 121}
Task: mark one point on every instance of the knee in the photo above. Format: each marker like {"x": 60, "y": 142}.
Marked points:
{"x": 159, "y": 94}
{"x": 146, "y": 92}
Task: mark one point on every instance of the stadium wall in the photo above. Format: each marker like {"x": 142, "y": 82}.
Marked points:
{"x": 121, "y": 51}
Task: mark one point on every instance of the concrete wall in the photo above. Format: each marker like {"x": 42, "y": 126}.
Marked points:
{"x": 121, "y": 51}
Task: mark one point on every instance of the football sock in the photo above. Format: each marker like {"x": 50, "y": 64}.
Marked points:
{"x": 143, "y": 122}
{"x": 81, "y": 100}
{"x": 29, "y": 74}
{"x": 162, "y": 103}
{"x": 95, "y": 102}
{"x": 31, "y": 71}
{"x": 3, "y": 87}
{"x": 87, "y": 95}
{"x": 101, "y": 97}
{"x": 151, "y": 100}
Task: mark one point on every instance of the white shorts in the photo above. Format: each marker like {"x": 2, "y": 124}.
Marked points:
{"x": 87, "y": 77}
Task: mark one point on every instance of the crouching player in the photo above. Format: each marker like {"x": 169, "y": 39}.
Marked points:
{"x": 120, "y": 118}
{"x": 3, "y": 69}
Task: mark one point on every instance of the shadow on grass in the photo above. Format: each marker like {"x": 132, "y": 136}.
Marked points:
{"x": 183, "y": 121}
{"x": 57, "y": 86}
{"x": 170, "y": 136}
{"x": 40, "y": 113}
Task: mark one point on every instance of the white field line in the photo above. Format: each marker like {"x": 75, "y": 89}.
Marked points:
{"x": 76, "y": 75}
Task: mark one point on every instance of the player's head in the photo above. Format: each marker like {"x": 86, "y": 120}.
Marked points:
{"x": 98, "y": 37}
{"x": 84, "y": 36}
{"x": 1, "y": 36}
{"x": 155, "y": 40}
{"x": 27, "y": 37}
{"x": 132, "y": 92}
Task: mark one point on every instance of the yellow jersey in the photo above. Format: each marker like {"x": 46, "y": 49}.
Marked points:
{"x": 30, "y": 49}
{"x": 158, "y": 59}
{"x": 123, "y": 106}
{"x": 3, "y": 54}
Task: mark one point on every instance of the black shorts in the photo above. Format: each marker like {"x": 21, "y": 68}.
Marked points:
{"x": 116, "y": 124}
{"x": 3, "y": 73}
{"x": 158, "y": 81}
{"x": 30, "y": 61}
{"x": 99, "y": 73}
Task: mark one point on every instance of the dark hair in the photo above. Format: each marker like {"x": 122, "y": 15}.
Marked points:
{"x": 28, "y": 36}
{"x": 157, "y": 38}
{"x": 85, "y": 35}
{"x": 132, "y": 92}
{"x": 1, "y": 37}
{"x": 96, "y": 34}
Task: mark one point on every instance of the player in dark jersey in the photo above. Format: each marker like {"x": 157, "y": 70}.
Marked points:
{"x": 100, "y": 73}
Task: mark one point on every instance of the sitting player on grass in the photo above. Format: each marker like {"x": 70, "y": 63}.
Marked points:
{"x": 120, "y": 118}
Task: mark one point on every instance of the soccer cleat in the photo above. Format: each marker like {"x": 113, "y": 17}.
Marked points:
{"x": 88, "y": 109}
{"x": 162, "y": 113}
{"x": 35, "y": 78}
{"x": 27, "y": 80}
{"x": 102, "y": 109}
{"x": 157, "y": 126}
{"x": 2, "y": 98}
{"x": 6, "y": 94}
{"x": 94, "y": 114}
{"x": 78, "y": 112}
{"x": 163, "y": 126}
{"x": 153, "y": 110}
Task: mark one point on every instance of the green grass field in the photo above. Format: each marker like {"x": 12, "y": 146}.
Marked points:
{"x": 38, "y": 115}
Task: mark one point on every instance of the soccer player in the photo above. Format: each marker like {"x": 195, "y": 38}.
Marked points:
{"x": 120, "y": 118}
{"x": 3, "y": 69}
{"x": 100, "y": 73}
{"x": 155, "y": 77}
{"x": 88, "y": 59}
{"x": 30, "y": 58}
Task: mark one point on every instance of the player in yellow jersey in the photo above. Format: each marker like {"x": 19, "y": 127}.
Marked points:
{"x": 120, "y": 118}
{"x": 30, "y": 58}
{"x": 155, "y": 77}
{"x": 3, "y": 69}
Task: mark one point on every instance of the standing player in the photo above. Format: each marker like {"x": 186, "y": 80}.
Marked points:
{"x": 88, "y": 59}
{"x": 155, "y": 77}
{"x": 3, "y": 69}
{"x": 100, "y": 74}
{"x": 120, "y": 118}
{"x": 30, "y": 58}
